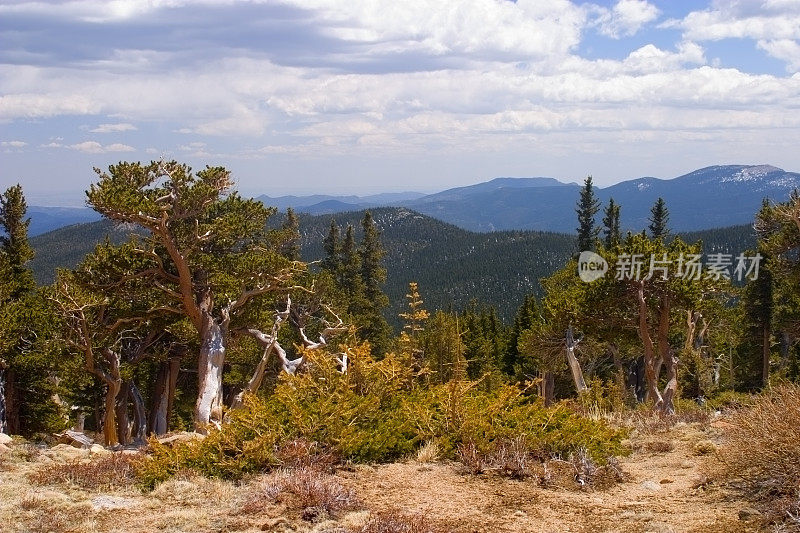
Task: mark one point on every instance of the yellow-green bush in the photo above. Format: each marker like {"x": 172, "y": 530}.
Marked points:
{"x": 376, "y": 412}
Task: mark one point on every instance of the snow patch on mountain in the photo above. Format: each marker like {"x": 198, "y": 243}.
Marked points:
{"x": 754, "y": 173}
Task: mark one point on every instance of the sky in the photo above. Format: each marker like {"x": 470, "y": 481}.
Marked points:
{"x": 369, "y": 96}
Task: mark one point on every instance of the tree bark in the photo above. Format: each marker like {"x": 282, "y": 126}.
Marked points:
{"x": 547, "y": 388}
{"x": 2, "y": 397}
{"x": 158, "y": 411}
{"x": 139, "y": 432}
{"x": 668, "y": 405}
{"x": 113, "y": 383}
{"x": 208, "y": 409}
{"x": 121, "y": 414}
{"x": 650, "y": 366}
{"x": 574, "y": 365}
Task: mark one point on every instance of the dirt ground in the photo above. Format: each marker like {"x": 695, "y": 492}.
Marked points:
{"x": 664, "y": 492}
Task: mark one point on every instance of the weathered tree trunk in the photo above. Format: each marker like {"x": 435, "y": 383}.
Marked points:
{"x": 662, "y": 335}
{"x": 139, "y": 432}
{"x": 650, "y": 366}
{"x": 547, "y": 388}
{"x": 574, "y": 365}
{"x": 3, "y": 423}
{"x": 668, "y": 405}
{"x": 164, "y": 396}
{"x": 255, "y": 380}
{"x": 158, "y": 411}
{"x": 208, "y": 409}
{"x": 121, "y": 414}
{"x": 113, "y": 383}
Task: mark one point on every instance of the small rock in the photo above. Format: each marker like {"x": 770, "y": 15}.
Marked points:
{"x": 651, "y": 485}
{"x": 5, "y": 439}
{"x": 666, "y": 481}
{"x": 184, "y": 436}
{"x": 748, "y": 513}
{"x": 98, "y": 449}
{"x": 520, "y": 514}
{"x": 74, "y": 438}
{"x": 66, "y": 452}
{"x": 4, "y": 449}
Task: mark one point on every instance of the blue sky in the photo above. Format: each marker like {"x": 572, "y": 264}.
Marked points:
{"x": 361, "y": 96}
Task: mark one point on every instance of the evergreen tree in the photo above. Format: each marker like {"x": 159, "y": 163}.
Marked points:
{"x": 414, "y": 320}
{"x": 588, "y": 206}
{"x": 527, "y": 313}
{"x": 291, "y": 226}
{"x": 25, "y": 323}
{"x": 611, "y": 232}
{"x": 333, "y": 248}
{"x": 14, "y": 243}
{"x": 373, "y": 275}
{"x": 349, "y": 273}
{"x": 659, "y": 218}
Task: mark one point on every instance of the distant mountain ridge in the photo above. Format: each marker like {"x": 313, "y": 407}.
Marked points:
{"x": 715, "y": 196}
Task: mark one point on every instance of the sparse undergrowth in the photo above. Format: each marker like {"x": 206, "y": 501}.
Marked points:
{"x": 761, "y": 453}
{"x": 376, "y": 413}
{"x": 104, "y": 473}
{"x": 311, "y": 493}
{"x": 397, "y": 522}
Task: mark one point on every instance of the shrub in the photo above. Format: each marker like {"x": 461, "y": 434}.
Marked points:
{"x": 307, "y": 490}
{"x": 376, "y": 413}
{"x": 108, "y": 472}
{"x": 761, "y": 451}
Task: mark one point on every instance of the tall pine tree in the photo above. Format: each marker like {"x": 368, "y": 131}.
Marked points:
{"x": 374, "y": 326}
{"x": 659, "y": 219}
{"x": 611, "y": 233}
{"x": 588, "y": 206}
{"x": 333, "y": 249}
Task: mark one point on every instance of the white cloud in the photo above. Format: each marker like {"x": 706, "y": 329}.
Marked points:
{"x": 786, "y": 50}
{"x": 743, "y": 19}
{"x": 626, "y": 18}
{"x": 525, "y": 27}
{"x": 13, "y": 144}
{"x": 113, "y": 128}
{"x": 94, "y": 147}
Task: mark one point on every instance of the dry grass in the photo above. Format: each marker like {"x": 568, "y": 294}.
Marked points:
{"x": 658, "y": 446}
{"x": 44, "y": 514}
{"x": 514, "y": 459}
{"x": 396, "y": 522}
{"x": 428, "y": 453}
{"x": 312, "y": 493}
{"x": 301, "y": 453}
{"x": 761, "y": 452}
{"x": 106, "y": 473}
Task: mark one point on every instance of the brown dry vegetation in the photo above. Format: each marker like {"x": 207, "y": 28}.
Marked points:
{"x": 663, "y": 491}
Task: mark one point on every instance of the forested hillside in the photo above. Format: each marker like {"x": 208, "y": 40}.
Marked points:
{"x": 452, "y": 266}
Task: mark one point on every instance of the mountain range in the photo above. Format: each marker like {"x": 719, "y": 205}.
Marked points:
{"x": 716, "y": 196}
{"x": 710, "y": 197}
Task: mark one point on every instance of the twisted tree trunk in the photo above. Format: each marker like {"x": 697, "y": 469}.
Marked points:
{"x": 121, "y": 414}
{"x": 208, "y": 409}
{"x": 574, "y": 365}
{"x": 139, "y": 432}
